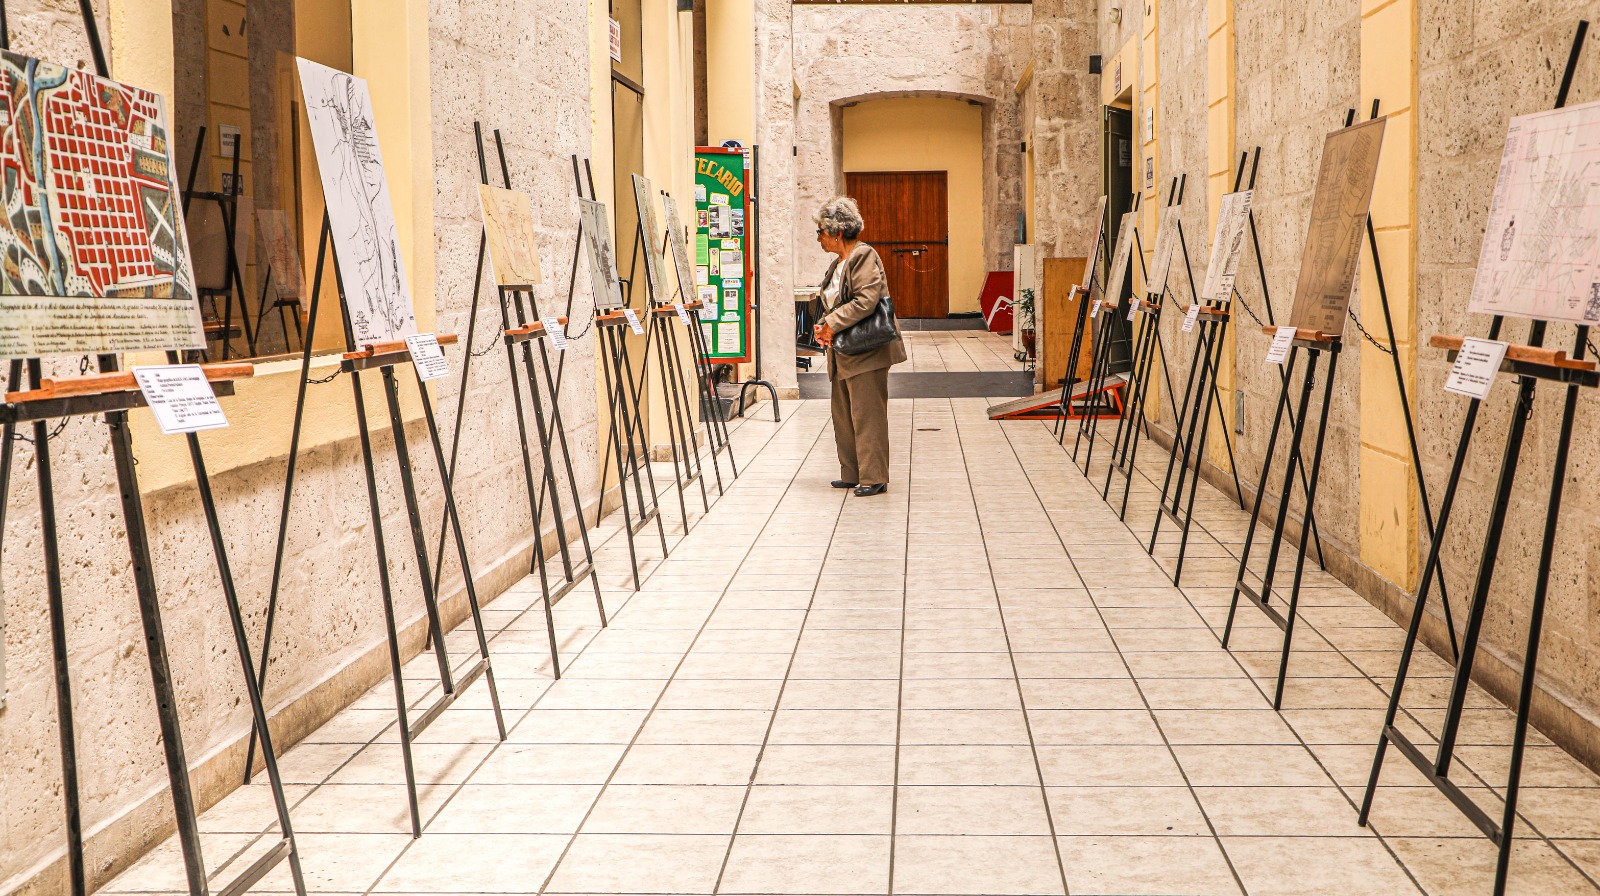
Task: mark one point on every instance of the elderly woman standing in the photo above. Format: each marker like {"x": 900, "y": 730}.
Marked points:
{"x": 852, "y": 291}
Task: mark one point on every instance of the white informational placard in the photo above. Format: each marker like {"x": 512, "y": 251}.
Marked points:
{"x": 1476, "y": 364}
{"x": 1541, "y": 245}
{"x": 727, "y": 340}
{"x": 633, "y": 321}
{"x": 683, "y": 314}
{"x": 1227, "y": 246}
{"x": 180, "y": 397}
{"x": 1189, "y": 317}
{"x": 1281, "y": 342}
{"x": 427, "y": 356}
{"x": 1094, "y": 310}
{"x": 556, "y": 332}
{"x": 1133, "y": 310}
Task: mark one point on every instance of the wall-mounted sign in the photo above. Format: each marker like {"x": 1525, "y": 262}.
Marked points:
{"x": 616, "y": 41}
{"x": 721, "y": 252}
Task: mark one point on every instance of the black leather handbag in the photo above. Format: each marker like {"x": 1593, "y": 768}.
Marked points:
{"x": 871, "y": 333}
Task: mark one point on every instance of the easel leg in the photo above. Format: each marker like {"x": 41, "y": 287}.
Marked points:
{"x": 686, "y": 427}
{"x": 572, "y": 480}
{"x": 392, "y": 629}
{"x": 635, "y": 423}
{"x": 1207, "y": 385}
{"x": 612, "y": 412}
{"x": 680, "y": 472}
{"x": 1261, "y": 492}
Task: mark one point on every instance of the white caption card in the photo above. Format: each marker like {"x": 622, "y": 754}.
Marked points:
{"x": 633, "y": 321}
{"x": 1133, "y": 310}
{"x": 427, "y": 356}
{"x": 556, "y": 332}
{"x": 1280, "y": 345}
{"x": 180, "y": 397}
{"x": 1094, "y": 310}
{"x": 1189, "y": 317}
{"x": 727, "y": 339}
{"x": 1476, "y": 364}
{"x": 683, "y": 314}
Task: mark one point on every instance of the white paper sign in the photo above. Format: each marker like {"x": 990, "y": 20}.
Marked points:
{"x": 1227, "y": 246}
{"x": 727, "y": 340}
{"x": 633, "y": 321}
{"x": 683, "y": 314}
{"x": 181, "y": 398}
{"x": 1133, "y": 310}
{"x": 427, "y": 356}
{"x": 1189, "y": 317}
{"x": 1475, "y": 367}
{"x": 1094, "y": 310}
{"x": 1280, "y": 345}
{"x": 556, "y": 332}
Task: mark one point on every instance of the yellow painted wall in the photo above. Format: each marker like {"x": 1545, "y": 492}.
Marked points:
{"x": 1221, "y": 162}
{"x": 1389, "y": 510}
{"x": 730, "y": 71}
{"x": 930, "y": 134}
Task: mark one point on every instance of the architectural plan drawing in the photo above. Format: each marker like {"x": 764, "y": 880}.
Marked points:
{"x": 1121, "y": 256}
{"x": 345, "y": 137}
{"x": 1166, "y": 243}
{"x": 508, "y": 230}
{"x": 1338, "y": 228}
{"x": 280, "y": 250}
{"x": 680, "y": 246}
{"x": 1227, "y": 246}
{"x": 602, "y": 260}
{"x": 96, "y": 254}
{"x": 1541, "y": 251}
{"x": 651, "y": 238}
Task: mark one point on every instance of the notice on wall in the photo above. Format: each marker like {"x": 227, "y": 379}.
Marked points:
{"x": 427, "y": 356}
{"x": 1189, "y": 317}
{"x": 616, "y": 40}
{"x": 180, "y": 397}
{"x": 1281, "y": 342}
{"x": 556, "y": 332}
{"x": 1476, "y": 364}
{"x": 727, "y": 339}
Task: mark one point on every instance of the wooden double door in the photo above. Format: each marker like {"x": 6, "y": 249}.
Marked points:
{"x": 907, "y": 221}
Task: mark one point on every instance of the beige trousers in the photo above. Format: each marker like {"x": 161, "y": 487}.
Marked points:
{"x": 861, "y": 426}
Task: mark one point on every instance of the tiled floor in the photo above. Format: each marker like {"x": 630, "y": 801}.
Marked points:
{"x": 978, "y": 683}
{"x": 956, "y": 351}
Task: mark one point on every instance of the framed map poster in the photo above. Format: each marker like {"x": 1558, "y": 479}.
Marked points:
{"x": 653, "y": 261}
{"x": 602, "y": 255}
{"x": 722, "y": 259}
{"x": 1338, "y": 227}
{"x": 1227, "y": 246}
{"x": 345, "y": 137}
{"x": 1541, "y": 249}
{"x": 508, "y": 231}
{"x": 680, "y": 249}
{"x": 96, "y": 254}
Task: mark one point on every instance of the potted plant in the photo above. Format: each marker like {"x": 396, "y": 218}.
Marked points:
{"x": 1022, "y": 312}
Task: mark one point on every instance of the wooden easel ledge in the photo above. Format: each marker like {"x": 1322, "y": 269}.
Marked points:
{"x": 1526, "y": 354}
{"x": 1219, "y": 313}
{"x": 397, "y": 347}
{"x": 120, "y": 381}
{"x": 611, "y": 318}
{"x": 1305, "y": 335}
{"x": 534, "y": 329}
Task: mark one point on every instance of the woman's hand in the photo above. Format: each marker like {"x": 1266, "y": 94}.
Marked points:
{"x": 824, "y": 334}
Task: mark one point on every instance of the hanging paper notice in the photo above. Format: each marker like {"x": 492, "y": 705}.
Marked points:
{"x": 727, "y": 340}
{"x": 427, "y": 356}
{"x": 1189, "y": 317}
{"x": 180, "y": 397}
{"x": 633, "y": 321}
{"x": 556, "y": 332}
{"x": 1476, "y": 364}
{"x": 732, "y": 260}
{"x": 1133, "y": 310}
{"x": 683, "y": 315}
{"x": 1280, "y": 345}
{"x": 1094, "y": 310}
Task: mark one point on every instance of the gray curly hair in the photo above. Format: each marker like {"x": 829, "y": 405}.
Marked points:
{"x": 840, "y": 217}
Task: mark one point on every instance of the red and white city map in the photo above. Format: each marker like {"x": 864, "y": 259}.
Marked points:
{"x": 93, "y": 255}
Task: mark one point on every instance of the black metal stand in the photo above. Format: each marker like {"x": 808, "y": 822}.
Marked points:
{"x": 385, "y": 359}
{"x": 1575, "y": 374}
{"x": 1314, "y": 351}
{"x": 228, "y": 206}
{"x": 753, "y": 225}
{"x": 1069, "y": 379}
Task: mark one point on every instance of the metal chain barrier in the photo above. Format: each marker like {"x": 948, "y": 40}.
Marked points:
{"x": 1351, "y": 312}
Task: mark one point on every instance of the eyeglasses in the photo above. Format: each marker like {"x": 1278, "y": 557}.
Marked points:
{"x": 819, "y": 231}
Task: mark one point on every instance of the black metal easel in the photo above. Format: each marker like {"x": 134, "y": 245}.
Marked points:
{"x": 228, "y": 207}
{"x": 384, "y": 357}
{"x": 114, "y": 394}
{"x": 1530, "y": 364}
{"x": 1069, "y": 379}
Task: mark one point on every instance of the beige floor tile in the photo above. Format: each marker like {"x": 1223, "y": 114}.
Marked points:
{"x": 665, "y": 809}
{"x": 1086, "y": 727}
{"x": 1279, "y": 811}
{"x": 872, "y": 693}
{"x": 550, "y": 764}
{"x": 568, "y": 726}
{"x": 955, "y": 765}
{"x": 1150, "y": 866}
{"x": 976, "y": 865}
{"x": 1101, "y": 766}
{"x": 640, "y": 863}
{"x": 454, "y": 863}
{"x": 1316, "y": 866}
{"x": 687, "y": 764}
{"x": 963, "y": 726}
{"x": 705, "y": 726}
{"x": 834, "y": 726}
{"x": 810, "y": 764}
{"x": 1080, "y": 693}
{"x": 998, "y": 811}
{"x": 808, "y": 809}
{"x": 959, "y": 693}
{"x": 721, "y": 693}
{"x": 1224, "y": 726}
{"x": 1125, "y": 811}
{"x": 1250, "y": 766}
{"x": 814, "y": 864}
{"x": 520, "y": 808}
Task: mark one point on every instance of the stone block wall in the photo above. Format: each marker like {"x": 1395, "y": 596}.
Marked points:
{"x": 517, "y": 65}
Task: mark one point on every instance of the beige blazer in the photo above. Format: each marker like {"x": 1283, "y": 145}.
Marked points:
{"x": 863, "y": 286}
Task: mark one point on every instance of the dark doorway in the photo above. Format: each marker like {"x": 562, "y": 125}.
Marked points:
{"x": 907, "y": 218}
{"x": 1116, "y": 178}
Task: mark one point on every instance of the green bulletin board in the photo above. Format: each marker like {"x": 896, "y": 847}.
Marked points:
{"x": 722, "y": 264}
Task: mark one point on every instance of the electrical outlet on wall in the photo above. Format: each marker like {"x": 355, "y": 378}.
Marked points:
{"x": 1238, "y": 412}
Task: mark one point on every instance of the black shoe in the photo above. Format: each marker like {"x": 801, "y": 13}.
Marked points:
{"x": 840, "y": 483}
{"x": 867, "y": 491}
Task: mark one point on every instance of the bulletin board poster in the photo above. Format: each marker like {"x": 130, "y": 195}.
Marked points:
{"x": 722, "y": 264}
